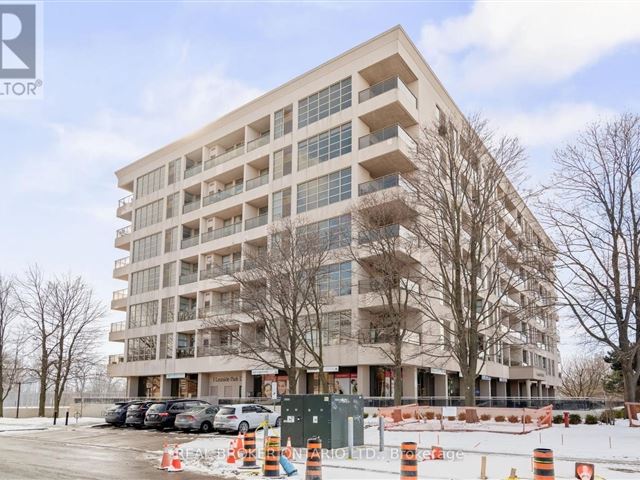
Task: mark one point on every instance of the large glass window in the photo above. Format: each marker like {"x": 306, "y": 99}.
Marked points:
{"x": 143, "y": 314}
{"x": 173, "y": 171}
{"x": 145, "y": 280}
{"x": 334, "y": 232}
{"x": 324, "y": 190}
{"x": 281, "y": 202}
{"x": 335, "y": 328}
{"x": 170, "y": 240}
{"x": 141, "y": 348}
{"x": 146, "y": 247}
{"x": 148, "y": 215}
{"x": 167, "y": 311}
{"x": 321, "y": 104}
{"x": 335, "y": 279}
{"x": 169, "y": 274}
{"x": 324, "y": 146}
{"x": 173, "y": 204}
{"x": 282, "y": 121}
{"x": 166, "y": 345}
{"x": 150, "y": 182}
{"x": 282, "y": 162}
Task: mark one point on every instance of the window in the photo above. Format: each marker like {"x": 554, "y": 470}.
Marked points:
{"x": 173, "y": 204}
{"x": 146, "y": 247}
{"x": 324, "y": 146}
{"x": 335, "y": 231}
{"x": 173, "y": 171}
{"x": 171, "y": 240}
{"x": 281, "y": 202}
{"x": 282, "y": 162}
{"x": 336, "y": 328}
{"x": 143, "y": 314}
{"x": 141, "y": 348}
{"x": 335, "y": 279}
{"x": 150, "y": 182}
{"x": 145, "y": 280}
{"x": 324, "y": 190}
{"x": 148, "y": 215}
{"x": 167, "y": 309}
{"x": 169, "y": 274}
{"x": 321, "y": 104}
{"x": 282, "y": 121}
{"x": 166, "y": 345}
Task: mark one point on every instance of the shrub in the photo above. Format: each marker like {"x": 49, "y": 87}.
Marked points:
{"x": 430, "y": 415}
{"x": 462, "y": 416}
{"x": 558, "y": 419}
{"x": 513, "y": 419}
{"x": 575, "y": 419}
{"x": 591, "y": 419}
{"x": 375, "y": 415}
{"x": 451, "y": 419}
{"x": 366, "y": 415}
{"x": 621, "y": 413}
{"x": 527, "y": 419}
{"x": 485, "y": 417}
{"x": 608, "y": 416}
{"x": 499, "y": 418}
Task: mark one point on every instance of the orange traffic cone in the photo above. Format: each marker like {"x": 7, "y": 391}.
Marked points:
{"x": 287, "y": 452}
{"x": 231, "y": 454}
{"x": 239, "y": 447}
{"x": 166, "y": 458}
{"x": 176, "y": 463}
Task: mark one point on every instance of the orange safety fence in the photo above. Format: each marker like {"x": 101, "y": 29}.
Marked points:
{"x": 633, "y": 412}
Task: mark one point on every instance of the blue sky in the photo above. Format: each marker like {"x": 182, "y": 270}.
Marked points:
{"x": 122, "y": 79}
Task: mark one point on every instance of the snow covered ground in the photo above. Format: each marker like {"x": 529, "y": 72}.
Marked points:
{"x": 615, "y": 450}
{"x": 39, "y": 423}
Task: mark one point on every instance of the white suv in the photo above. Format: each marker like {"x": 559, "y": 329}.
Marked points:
{"x": 244, "y": 417}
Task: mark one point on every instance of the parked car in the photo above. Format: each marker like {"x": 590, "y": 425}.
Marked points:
{"x": 117, "y": 414}
{"x": 162, "y": 415}
{"x": 244, "y": 417}
{"x": 136, "y": 413}
{"x": 200, "y": 418}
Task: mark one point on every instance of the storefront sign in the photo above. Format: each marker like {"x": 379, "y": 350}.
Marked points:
{"x": 438, "y": 371}
{"x": 264, "y": 371}
{"x": 325, "y": 370}
{"x": 331, "y": 369}
{"x": 174, "y": 375}
{"x": 502, "y": 380}
{"x": 485, "y": 377}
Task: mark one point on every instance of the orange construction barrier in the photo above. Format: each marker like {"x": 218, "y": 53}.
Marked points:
{"x": 436, "y": 452}
{"x": 239, "y": 446}
{"x": 176, "y": 463}
{"x": 287, "y": 451}
{"x": 231, "y": 453}
{"x": 408, "y": 460}
{"x": 249, "y": 458}
{"x": 543, "y": 464}
{"x": 272, "y": 458}
{"x": 313, "y": 469}
{"x": 166, "y": 458}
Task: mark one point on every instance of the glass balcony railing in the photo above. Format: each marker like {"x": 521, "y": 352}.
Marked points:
{"x": 382, "y": 183}
{"x": 385, "y": 86}
{"x": 120, "y": 294}
{"x": 222, "y": 194}
{"x": 126, "y": 201}
{"x": 190, "y": 241}
{"x": 185, "y": 352}
{"x": 118, "y": 326}
{"x": 224, "y": 157}
{"x": 121, "y": 262}
{"x": 258, "y": 181}
{"x": 194, "y": 170}
{"x": 115, "y": 359}
{"x": 256, "y": 221}
{"x": 221, "y": 232}
{"x": 188, "y": 278}
{"x": 215, "y": 350}
{"x": 387, "y": 133}
{"x": 258, "y": 142}
{"x": 191, "y": 206}
{"x": 121, "y": 232}
{"x": 220, "y": 270}
{"x": 388, "y": 231}
{"x": 222, "y": 308}
{"x": 379, "y": 285}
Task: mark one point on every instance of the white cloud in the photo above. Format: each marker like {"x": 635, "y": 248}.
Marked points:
{"x": 503, "y": 43}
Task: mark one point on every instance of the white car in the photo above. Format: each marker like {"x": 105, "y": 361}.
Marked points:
{"x": 244, "y": 417}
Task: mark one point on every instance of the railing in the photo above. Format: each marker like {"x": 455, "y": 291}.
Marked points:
{"x": 256, "y": 221}
{"x": 187, "y": 314}
{"x": 120, "y": 294}
{"x": 221, "y": 232}
{"x": 222, "y": 194}
{"x": 215, "y": 350}
{"x": 121, "y": 232}
{"x": 370, "y": 285}
{"x": 194, "y": 170}
{"x": 121, "y": 262}
{"x": 258, "y": 142}
{"x": 388, "y": 231}
{"x": 185, "y": 352}
{"x": 125, "y": 201}
{"x": 190, "y": 241}
{"x": 387, "y": 133}
{"x": 388, "y": 181}
{"x": 257, "y": 181}
{"x": 118, "y": 326}
{"x": 222, "y": 308}
{"x": 191, "y": 206}
{"x": 115, "y": 359}
{"x": 224, "y": 157}
{"x": 188, "y": 278}
{"x": 219, "y": 270}
{"x": 384, "y": 86}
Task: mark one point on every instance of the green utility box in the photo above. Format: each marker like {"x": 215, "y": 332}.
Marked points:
{"x": 323, "y": 416}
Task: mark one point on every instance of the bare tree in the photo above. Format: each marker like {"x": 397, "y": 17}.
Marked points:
{"x": 480, "y": 269}
{"x": 9, "y": 358}
{"x": 279, "y": 307}
{"x": 583, "y": 376}
{"x": 593, "y": 209}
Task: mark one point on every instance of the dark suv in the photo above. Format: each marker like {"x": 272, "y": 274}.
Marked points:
{"x": 117, "y": 414}
{"x": 162, "y": 415}
{"x": 136, "y": 413}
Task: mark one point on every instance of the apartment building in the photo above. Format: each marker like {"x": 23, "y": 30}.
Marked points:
{"x": 310, "y": 147}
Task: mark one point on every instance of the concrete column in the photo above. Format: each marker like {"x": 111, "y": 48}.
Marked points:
{"x": 538, "y": 389}
{"x": 485, "y": 388}
{"x": 527, "y": 389}
{"x": 302, "y": 382}
{"x": 246, "y": 382}
{"x": 501, "y": 389}
{"x": 440, "y": 386}
{"x": 203, "y": 385}
{"x": 132, "y": 386}
{"x": 410, "y": 381}
{"x": 165, "y": 386}
{"x": 363, "y": 380}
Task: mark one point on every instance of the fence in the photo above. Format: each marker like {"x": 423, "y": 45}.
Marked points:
{"x": 501, "y": 402}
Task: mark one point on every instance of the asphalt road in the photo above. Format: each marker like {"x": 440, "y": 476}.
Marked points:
{"x": 87, "y": 453}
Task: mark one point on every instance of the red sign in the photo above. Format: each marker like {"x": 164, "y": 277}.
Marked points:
{"x": 585, "y": 471}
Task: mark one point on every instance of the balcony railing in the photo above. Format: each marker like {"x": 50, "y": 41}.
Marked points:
{"x": 215, "y": 350}
{"x": 224, "y": 157}
{"x": 256, "y": 221}
{"x": 258, "y": 181}
{"x": 221, "y": 232}
{"x": 388, "y": 231}
{"x": 384, "y": 134}
{"x": 125, "y": 201}
{"x": 191, "y": 206}
{"x": 121, "y": 262}
{"x": 190, "y": 241}
{"x": 188, "y": 278}
{"x": 378, "y": 285}
{"x": 194, "y": 170}
{"x": 121, "y": 232}
{"x": 219, "y": 270}
{"x": 388, "y": 181}
{"x": 120, "y": 294}
{"x": 115, "y": 359}
{"x": 385, "y": 86}
{"x": 222, "y": 194}
{"x": 185, "y": 352}
{"x": 222, "y": 308}
{"x": 258, "y": 142}
{"x": 187, "y": 314}
{"x": 118, "y": 326}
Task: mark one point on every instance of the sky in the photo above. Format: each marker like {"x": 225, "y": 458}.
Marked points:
{"x": 122, "y": 79}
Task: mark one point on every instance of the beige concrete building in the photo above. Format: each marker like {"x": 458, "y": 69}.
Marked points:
{"x": 198, "y": 205}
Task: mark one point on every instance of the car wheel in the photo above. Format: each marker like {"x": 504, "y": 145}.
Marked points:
{"x": 206, "y": 427}
{"x": 278, "y": 422}
{"x": 243, "y": 428}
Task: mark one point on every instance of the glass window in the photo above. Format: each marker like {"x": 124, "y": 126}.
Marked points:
{"x": 173, "y": 171}
{"x": 166, "y": 345}
{"x": 281, "y": 202}
{"x": 145, "y": 280}
{"x": 282, "y": 162}
{"x": 324, "y": 190}
{"x": 335, "y": 279}
{"x": 332, "y": 99}
{"x": 282, "y": 121}
{"x": 148, "y": 215}
{"x": 141, "y": 348}
{"x": 173, "y": 204}
{"x": 335, "y": 231}
{"x": 150, "y": 182}
{"x": 143, "y": 314}
{"x": 146, "y": 247}
{"x": 167, "y": 310}
{"x": 324, "y": 146}
{"x": 171, "y": 240}
{"x": 169, "y": 274}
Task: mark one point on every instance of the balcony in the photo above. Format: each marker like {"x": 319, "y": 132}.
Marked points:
{"x": 185, "y": 352}
{"x": 222, "y": 308}
{"x": 388, "y": 231}
{"x": 256, "y": 222}
{"x": 221, "y": 195}
{"x": 191, "y": 206}
{"x": 388, "y": 101}
{"x": 125, "y": 207}
{"x": 258, "y": 142}
{"x": 186, "y": 314}
{"x": 405, "y": 247}
{"x": 115, "y": 359}
{"x": 388, "y": 150}
{"x": 258, "y": 181}
{"x": 119, "y": 268}
{"x": 215, "y": 350}
{"x": 116, "y": 332}
{"x": 220, "y": 270}
{"x": 194, "y": 170}
{"x": 383, "y": 183}
{"x": 221, "y": 232}
{"x": 188, "y": 278}
{"x": 190, "y": 241}
{"x": 224, "y": 157}
{"x": 121, "y": 262}
{"x": 123, "y": 237}
{"x": 119, "y": 299}
{"x": 526, "y": 373}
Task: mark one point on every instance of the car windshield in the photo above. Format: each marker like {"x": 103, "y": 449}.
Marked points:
{"x": 195, "y": 409}
{"x": 227, "y": 411}
{"x": 135, "y": 406}
{"x": 157, "y": 407}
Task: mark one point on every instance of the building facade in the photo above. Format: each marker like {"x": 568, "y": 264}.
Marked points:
{"x": 311, "y": 147}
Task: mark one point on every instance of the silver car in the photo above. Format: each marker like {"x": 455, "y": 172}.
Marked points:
{"x": 199, "y": 418}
